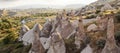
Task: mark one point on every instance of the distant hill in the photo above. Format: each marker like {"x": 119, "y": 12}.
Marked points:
{"x": 30, "y": 6}
{"x": 74, "y": 6}
{"x": 101, "y": 2}
{"x": 36, "y": 6}
{"x": 99, "y": 5}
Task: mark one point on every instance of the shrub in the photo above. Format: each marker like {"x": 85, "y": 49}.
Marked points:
{"x": 101, "y": 43}
{"x": 117, "y": 19}
{"x": 117, "y": 37}
{"x": 97, "y": 11}
{"x": 91, "y": 16}
{"x": 15, "y": 48}
{"x": 8, "y": 39}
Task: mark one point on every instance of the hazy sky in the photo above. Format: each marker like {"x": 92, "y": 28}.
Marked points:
{"x": 14, "y": 3}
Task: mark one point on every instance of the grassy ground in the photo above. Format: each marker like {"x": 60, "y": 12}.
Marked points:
{"x": 9, "y": 32}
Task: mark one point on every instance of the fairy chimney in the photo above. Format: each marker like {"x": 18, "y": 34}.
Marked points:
{"x": 81, "y": 30}
{"x": 56, "y": 22}
{"x": 102, "y": 22}
{"x": 28, "y": 37}
{"x": 80, "y": 38}
{"x": 47, "y": 27}
{"x": 23, "y": 30}
{"x": 65, "y": 28}
{"x": 64, "y": 13}
{"x": 57, "y": 43}
{"x": 37, "y": 46}
{"x": 71, "y": 14}
{"x": 110, "y": 46}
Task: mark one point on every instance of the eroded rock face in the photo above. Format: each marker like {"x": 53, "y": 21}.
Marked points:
{"x": 63, "y": 26}
{"x": 57, "y": 44}
{"x": 71, "y": 14}
{"x": 66, "y": 28}
{"x": 87, "y": 49}
{"x": 47, "y": 27}
{"x": 45, "y": 42}
{"x": 90, "y": 8}
{"x": 98, "y": 18}
{"x": 29, "y": 36}
{"x": 110, "y": 46}
{"x": 37, "y": 46}
{"x": 102, "y": 22}
{"x": 107, "y": 6}
{"x": 23, "y": 30}
{"x": 64, "y": 13}
{"x": 56, "y": 22}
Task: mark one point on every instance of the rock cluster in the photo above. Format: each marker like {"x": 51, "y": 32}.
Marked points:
{"x": 51, "y": 38}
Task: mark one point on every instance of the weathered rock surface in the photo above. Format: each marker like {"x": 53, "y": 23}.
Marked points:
{"x": 107, "y": 6}
{"x": 29, "y": 36}
{"x": 37, "y": 46}
{"x": 102, "y": 23}
{"x": 87, "y": 49}
{"x": 23, "y": 30}
{"x": 57, "y": 44}
{"x": 63, "y": 26}
{"x": 80, "y": 37}
{"x": 45, "y": 42}
{"x": 110, "y": 46}
{"x": 47, "y": 27}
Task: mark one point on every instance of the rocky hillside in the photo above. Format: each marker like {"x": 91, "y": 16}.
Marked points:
{"x": 96, "y": 8}
{"x": 100, "y": 3}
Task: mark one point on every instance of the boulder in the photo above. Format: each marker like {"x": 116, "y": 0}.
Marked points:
{"x": 92, "y": 27}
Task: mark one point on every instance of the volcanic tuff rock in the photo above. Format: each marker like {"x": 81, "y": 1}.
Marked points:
{"x": 110, "y": 46}
{"x": 107, "y": 6}
{"x": 23, "y": 30}
{"x": 101, "y": 2}
{"x": 92, "y": 27}
{"x": 29, "y": 36}
{"x": 57, "y": 43}
{"x": 37, "y": 46}
{"x": 87, "y": 49}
